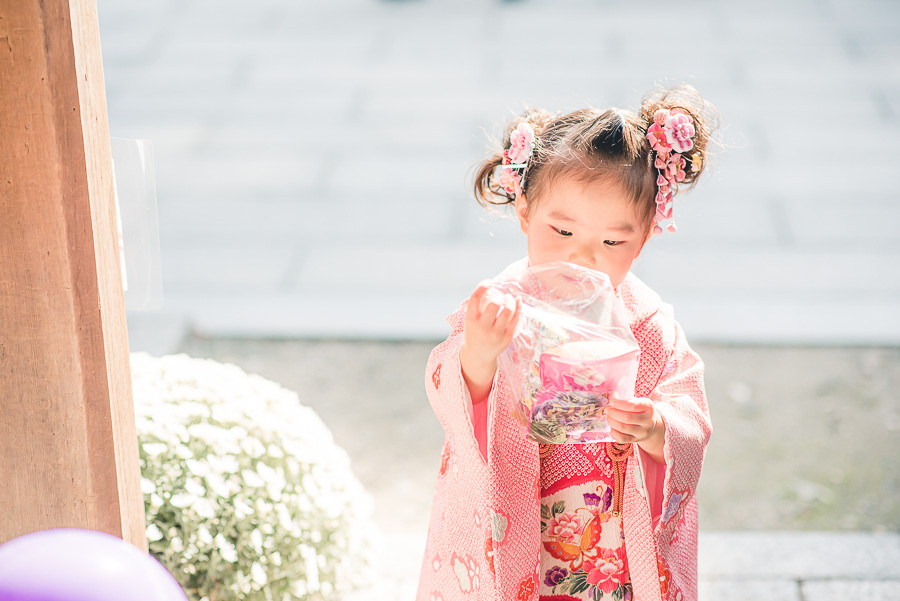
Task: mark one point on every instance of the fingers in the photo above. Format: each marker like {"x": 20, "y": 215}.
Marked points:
{"x": 506, "y": 308}
{"x": 629, "y": 426}
{"x": 496, "y": 310}
{"x": 491, "y": 318}
{"x": 635, "y": 405}
{"x": 514, "y": 318}
{"x": 622, "y": 432}
{"x": 637, "y": 424}
{"x": 477, "y": 298}
{"x": 620, "y": 437}
{"x": 629, "y": 421}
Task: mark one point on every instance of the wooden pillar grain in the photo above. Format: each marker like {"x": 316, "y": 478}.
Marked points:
{"x": 68, "y": 449}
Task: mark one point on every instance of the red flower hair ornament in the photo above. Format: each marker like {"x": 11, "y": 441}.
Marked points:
{"x": 671, "y": 135}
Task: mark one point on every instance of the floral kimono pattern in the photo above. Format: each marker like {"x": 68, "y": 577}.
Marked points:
{"x": 484, "y": 537}
{"x": 583, "y": 543}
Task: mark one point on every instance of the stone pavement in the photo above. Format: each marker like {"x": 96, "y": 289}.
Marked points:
{"x": 314, "y": 158}
{"x": 793, "y": 506}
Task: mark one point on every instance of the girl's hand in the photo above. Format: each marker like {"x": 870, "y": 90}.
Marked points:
{"x": 638, "y": 421}
{"x": 490, "y": 323}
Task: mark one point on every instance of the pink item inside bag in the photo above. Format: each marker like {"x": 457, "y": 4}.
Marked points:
{"x": 571, "y": 353}
{"x": 577, "y": 381}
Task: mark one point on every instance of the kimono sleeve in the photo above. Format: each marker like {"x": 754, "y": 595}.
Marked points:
{"x": 448, "y": 394}
{"x": 680, "y": 398}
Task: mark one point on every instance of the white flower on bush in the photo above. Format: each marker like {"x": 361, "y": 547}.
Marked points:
{"x": 247, "y": 495}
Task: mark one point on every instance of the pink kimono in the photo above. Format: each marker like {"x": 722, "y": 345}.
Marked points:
{"x": 484, "y": 535}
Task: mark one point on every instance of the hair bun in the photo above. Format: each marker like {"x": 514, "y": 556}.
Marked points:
{"x": 487, "y": 192}
{"x": 537, "y": 118}
{"x": 703, "y": 114}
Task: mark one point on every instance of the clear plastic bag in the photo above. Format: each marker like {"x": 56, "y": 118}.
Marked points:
{"x": 573, "y": 349}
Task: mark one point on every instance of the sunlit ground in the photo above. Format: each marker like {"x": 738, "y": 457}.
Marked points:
{"x": 804, "y": 438}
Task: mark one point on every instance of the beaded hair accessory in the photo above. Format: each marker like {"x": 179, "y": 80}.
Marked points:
{"x": 671, "y": 135}
{"x": 507, "y": 175}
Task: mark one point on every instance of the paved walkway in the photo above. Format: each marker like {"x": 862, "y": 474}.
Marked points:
{"x": 313, "y": 157}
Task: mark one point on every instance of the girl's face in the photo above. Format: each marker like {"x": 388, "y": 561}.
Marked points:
{"x": 590, "y": 224}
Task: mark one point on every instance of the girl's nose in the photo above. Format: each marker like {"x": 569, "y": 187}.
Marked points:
{"x": 583, "y": 256}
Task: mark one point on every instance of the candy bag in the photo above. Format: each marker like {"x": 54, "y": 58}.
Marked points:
{"x": 572, "y": 350}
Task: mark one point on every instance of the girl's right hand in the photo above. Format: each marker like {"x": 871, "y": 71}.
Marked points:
{"x": 491, "y": 319}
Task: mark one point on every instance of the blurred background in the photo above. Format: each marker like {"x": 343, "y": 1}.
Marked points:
{"x": 314, "y": 162}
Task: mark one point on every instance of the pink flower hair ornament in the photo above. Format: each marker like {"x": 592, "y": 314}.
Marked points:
{"x": 506, "y": 175}
{"x": 671, "y": 135}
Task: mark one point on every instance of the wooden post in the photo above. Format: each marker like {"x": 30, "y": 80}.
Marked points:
{"x": 68, "y": 449}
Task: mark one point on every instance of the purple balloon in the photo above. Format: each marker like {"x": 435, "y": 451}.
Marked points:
{"x": 69, "y": 564}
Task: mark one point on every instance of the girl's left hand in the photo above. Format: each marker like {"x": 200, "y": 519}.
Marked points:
{"x": 637, "y": 421}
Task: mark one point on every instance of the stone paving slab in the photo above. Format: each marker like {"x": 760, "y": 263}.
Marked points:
{"x": 313, "y": 315}
{"x": 277, "y": 289}
{"x": 838, "y": 590}
{"x": 800, "y": 556}
{"x": 800, "y": 579}
{"x": 397, "y": 583}
{"x": 748, "y": 590}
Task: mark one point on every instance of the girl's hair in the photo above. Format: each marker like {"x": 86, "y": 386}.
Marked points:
{"x": 601, "y": 145}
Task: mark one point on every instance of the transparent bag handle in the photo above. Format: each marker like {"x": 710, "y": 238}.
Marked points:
{"x": 134, "y": 180}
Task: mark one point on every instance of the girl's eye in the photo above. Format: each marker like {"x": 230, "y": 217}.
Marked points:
{"x": 612, "y": 242}
{"x": 561, "y": 232}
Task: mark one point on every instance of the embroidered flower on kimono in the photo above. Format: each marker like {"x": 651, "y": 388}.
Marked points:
{"x": 665, "y": 577}
{"x": 669, "y": 367}
{"x": 526, "y": 589}
{"x": 435, "y": 596}
{"x": 672, "y": 506}
{"x": 445, "y": 460}
{"x": 489, "y": 553}
{"x": 555, "y": 575}
{"x": 467, "y": 572}
{"x": 521, "y": 144}
{"x": 499, "y": 522}
{"x": 679, "y": 130}
{"x": 565, "y": 526}
{"x": 605, "y": 572}
{"x": 597, "y": 503}
{"x": 436, "y": 376}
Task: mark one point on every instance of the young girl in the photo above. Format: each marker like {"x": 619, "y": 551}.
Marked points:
{"x": 516, "y": 520}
